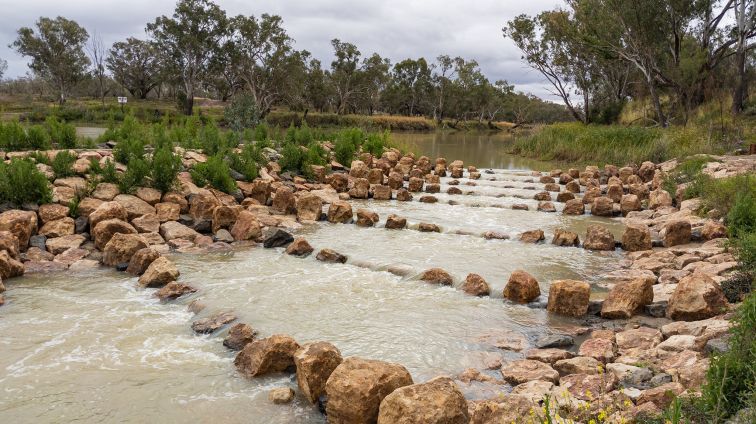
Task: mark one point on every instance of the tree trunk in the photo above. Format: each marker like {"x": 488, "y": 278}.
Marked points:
{"x": 189, "y": 104}
{"x": 741, "y": 84}
{"x": 657, "y": 103}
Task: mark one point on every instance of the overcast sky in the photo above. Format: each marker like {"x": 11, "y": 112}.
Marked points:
{"x": 396, "y": 29}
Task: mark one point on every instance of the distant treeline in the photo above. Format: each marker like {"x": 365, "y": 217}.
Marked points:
{"x": 200, "y": 51}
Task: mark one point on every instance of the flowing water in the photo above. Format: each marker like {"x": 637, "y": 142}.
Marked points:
{"x": 89, "y": 346}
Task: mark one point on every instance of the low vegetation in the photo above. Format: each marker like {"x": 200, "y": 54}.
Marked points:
{"x": 16, "y": 137}
{"x": 22, "y": 183}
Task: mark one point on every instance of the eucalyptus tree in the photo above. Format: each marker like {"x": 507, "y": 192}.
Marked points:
{"x": 3, "y": 68}
{"x": 345, "y": 74}
{"x": 267, "y": 64}
{"x": 135, "y": 65}
{"x": 743, "y": 31}
{"x": 373, "y": 79}
{"x": 57, "y": 52}
{"x": 97, "y": 55}
{"x": 410, "y": 86}
{"x": 189, "y": 41}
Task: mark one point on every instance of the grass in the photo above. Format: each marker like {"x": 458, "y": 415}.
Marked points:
{"x": 614, "y": 144}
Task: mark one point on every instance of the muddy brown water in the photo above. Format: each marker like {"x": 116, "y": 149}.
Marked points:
{"x": 88, "y": 346}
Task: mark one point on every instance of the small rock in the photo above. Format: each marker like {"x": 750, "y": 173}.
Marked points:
{"x": 213, "y": 322}
{"x": 281, "y": 395}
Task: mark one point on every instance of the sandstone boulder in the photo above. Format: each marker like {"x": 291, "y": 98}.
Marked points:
{"x": 602, "y": 206}
{"x": 299, "y": 247}
{"x": 521, "y": 287}
{"x": 340, "y": 212}
{"x": 394, "y": 222}
{"x": 246, "y": 227}
{"x": 696, "y": 297}
{"x": 160, "y": 272}
{"x": 239, "y": 335}
{"x": 475, "y": 285}
{"x": 265, "y": 356}
{"x": 315, "y": 362}
{"x": 532, "y": 236}
{"x": 524, "y": 370}
{"x": 173, "y": 230}
{"x": 174, "y": 290}
{"x": 366, "y": 218}
{"x": 328, "y": 255}
{"x": 677, "y": 232}
{"x": 104, "y": 231}
{"x": 636, "y": 237}
{"x": 167, "y": 211}
{"x": 9, "y": 267}
{"x": 628, "y": 298}
{"x": 569, "y": 297}
{"x": 142, "y": 260}
{"x": 135, "y": 207}
{"x": 598, "y": 237}
{"x": 107, "y": 210}
{"x": 574, "y": 207}
{"x": 121, "y": 248}
{"x": 309, "y": 207}
{"x": 565, "y": 238}
{"x": 436, "y": 401}
{"x": 357, "y": 387}
{"x": 22, "y": 224}
{"x": 147, "y": 223}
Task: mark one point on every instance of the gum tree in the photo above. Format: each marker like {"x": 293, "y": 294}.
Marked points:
{"x": 136, "y": 65}
{"x": 56, "y": 50}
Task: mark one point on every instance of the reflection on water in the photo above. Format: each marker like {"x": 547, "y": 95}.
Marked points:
{"x": 482, "y": 149}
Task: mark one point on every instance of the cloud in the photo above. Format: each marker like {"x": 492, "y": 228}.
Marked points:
{"x": 396, "y": 29}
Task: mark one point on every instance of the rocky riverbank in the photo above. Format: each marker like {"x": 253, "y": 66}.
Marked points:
{"x": 650, "y": 336}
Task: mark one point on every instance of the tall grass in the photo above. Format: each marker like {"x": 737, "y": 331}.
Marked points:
{"x": 613, "y": 144}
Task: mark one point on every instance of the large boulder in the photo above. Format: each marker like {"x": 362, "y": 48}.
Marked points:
{"x": 315, "y": 362}
{"x": 524, "y": 370}
{"x": 283, "y": 201}
{"x": 574, "y": 207}
{"x": 358, "y": 169}
{"x": 565, "y": 238}
{"x": 366, "y": 218}
{"x": 104, "y": 231}
{"x": 437, "y": 276}
{"x": 201, "y": 205}
{"x": 361, "y": 189}
{"x": 52, "y": 212}
{"x": 696, "y": 297}
{"x": 636, "y": 237}
{"x": 598, "y": 237}
{"x": 107, "y": 210}
{"x": 357, "y": 387}
{"x": 569, "y": 297}
{"x": 299, "y": 247}
{"x": 522, "y": 287}
{"x": 142, "y": 260}
{"x": 239, "y": 336}
{"x": 246, "y": 227}
{"x": 340, "y": 211}
{"x": 265, "y": 356}
{"x": 59, "y": 245}
{"x": 394, "y": 222}
{"x": 475, "y": 285}
{"x": 331, "y": 256}
{"x": 173, "y": 230}
{"x": 22, "y": 224}
{"x": 9, "y": 267}
{"x": 58, "y": 228}
{"x": 382, "y": 192}
{"x": 147, "y": 223}
{"x": 223, "y": 217}
{"x": 135, "y": 207}
{"x": 628, "y": 298}
{"x": 659, "y": 198}
{"x": 121, "y": 247}
{"x": 436, "y": 401}
{"x": 160, "y": 272}
{"x": 167, "y": 211}
{"x": 532, "y": 236}
{"x": 677, "y": 232}
{"x": 309, "y": 207}
{"x": 602, "y": 206}
{"x": 9, "y": 243}
{"x": 629, "y": 203}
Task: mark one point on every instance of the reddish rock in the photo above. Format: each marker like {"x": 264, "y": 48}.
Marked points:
{"x": 475, "y": 285}
{"x": 299, "y": 247}
{"x": 141, "y": 260}
{"x": 436, "y": 401}
{"x": 315, "y": 362}
{"x": 366, "y": 218}
{"x": 105, "y": 230}
{"x": 121, "y": 248}
{"x": 565, "y": 238}
{"x": 340, "y": 212}
{"x": 159, "y": 273}
{"x": 525, "y": 370}
{"x": 265, "y": 356}
{"x": 628, "y": 298}
{"x": 22, "y": 224}
{"x": 696, "y": 297}
{"x": 437, "y": 276}
{"x": 174, "y": 290}
{"x": 246, "y": 227}
{"x": 521, "y": 287}
{"x": 394, "y": 222}
{"x": 598, "y": 237}
{"x": 532, "y": 236}
{"x": 677, "y": 232}
{"x": 636, "y": 237}
{"x": 569, "y": 297}
{"x": 239, "y": 336}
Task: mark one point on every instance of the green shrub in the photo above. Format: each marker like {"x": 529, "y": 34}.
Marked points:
{"x": 731, "y": 376}
{"x": 687, "y": 172}
{"x": 722, "y": 193}
{"x": 12, "y": 136}
{"x": 261, "y": 132}
{"x": 241, "y": 113}
{"x": 62, "y": 165}
{"x": 135, "y": 175}
{"x": 376, "y": 143}
{"x": 165, "y": 168}
{"x": 211, "y": 140}
{"x": 741, "y": 218}
{"x": 61, "y": 133}
{"x": 344, "y": 151}
{"x": 38, "y": 137}
{"x": 127, "y": 149}
{"x": 745, "y": 247}
{"x": 248, "y": 161}
{"x": 105, "y": 174}
{"x": 21, "y": 182}
{"x": 215, "y": 172}
{"x": 292, "y": 157}
{"x": 40, "y": 157}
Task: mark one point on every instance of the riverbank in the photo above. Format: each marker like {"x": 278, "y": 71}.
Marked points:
{"x": 136, "y": 232}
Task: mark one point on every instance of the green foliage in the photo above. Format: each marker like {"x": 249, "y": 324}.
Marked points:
{"x": 62, "y": 133}
{"x": 732, "y": 375}
{"x": 292, "y": 157}
{"x": 165, "y": 167}
{"x": 376, "y": 143}
{"x": 128, "y": 149}
{"x": 211, "y": 140}
{"x": 215, "y": 172}
{"x": 21, "y": 182}
{"x": 62, "y": 165}
{"x": 248, "y": 161}
{"x": 619, "y": 145}
{"x": 344, "y": 151}
{"x": 12, "y": 136}
{"x": 723, "y": 193}
{"x": 38, "y": 137}
{"x": 687, "y": 172}
{"x": 135, "y": 175}
{"x": 262, "y": 132}
{"x": 242, "y": 113}
{"x": 741, "y": 218}
{"x": 105, "y": 174}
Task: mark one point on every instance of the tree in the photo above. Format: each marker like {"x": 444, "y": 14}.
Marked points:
{"x": 265, "y": 58}
{"x": 317, "y": 92}
{"x": 3, "y": 68}
{"x": 410, "y": 85}
{"x": 136, "y": 65}
{"x": 744, "y": 29}
{"x": 189, "y": 40}
{"x": 56, "y": 51}
{"x": 96, "y": 50}
{"x": 345, "y": 73}
{"x": 373, "y": 76}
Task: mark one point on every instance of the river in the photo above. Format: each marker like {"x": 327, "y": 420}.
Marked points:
{"x": 89, "y": 346}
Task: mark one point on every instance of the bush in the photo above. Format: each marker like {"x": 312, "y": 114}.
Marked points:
{"x": 248, "y": 161}
{"x": 105, "y": 174}
{"x": 731, "y": 376}
{"x": 292, "y": 157}
{"x": 61, "y": 133}
{"x": 261, "y": 133}
{"x": 687, "y": 172}
{"x": 165, "y": 168}
{"x": 741, "y": 218}
{"x": 12, "y": 136}
{"x": 38, "y": 138}
{"x": 21, "y": 182}
{"x": 376, "y": 143}
{"x": 241, "y": 113}
{"x": 344, "y": 151}
{"x": 62, "y": 165}
{"x": 722, "y": 193}
{"x": 215, "y": 172}
{"x": 135, "y": 175}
